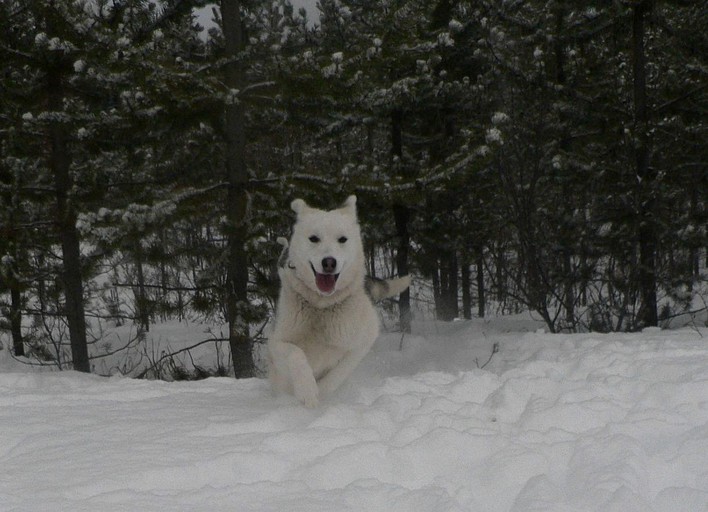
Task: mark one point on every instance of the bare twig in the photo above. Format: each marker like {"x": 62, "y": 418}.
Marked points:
{"x": 156, "y": 363}
{"x": 495, "y": 349}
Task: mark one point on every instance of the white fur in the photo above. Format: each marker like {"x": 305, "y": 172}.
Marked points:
{"x": 319, "y": 338}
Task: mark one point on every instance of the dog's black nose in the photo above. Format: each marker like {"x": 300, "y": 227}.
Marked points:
{"x": 329, "y": 265}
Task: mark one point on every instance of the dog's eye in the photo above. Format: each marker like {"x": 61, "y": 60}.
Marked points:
{"x": 342, "y": 239}
{"x": 315, "y": 239}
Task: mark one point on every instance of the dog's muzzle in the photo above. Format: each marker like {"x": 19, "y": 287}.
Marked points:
{"x": 327, "y": 280}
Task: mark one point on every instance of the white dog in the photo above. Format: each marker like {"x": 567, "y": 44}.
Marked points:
{"x": 325, "y": 320}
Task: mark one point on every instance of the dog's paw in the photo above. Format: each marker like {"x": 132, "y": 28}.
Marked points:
{"x": 308, "y": 398}
{"x": 307, "y": 392}
{"x": 310, "y": 402}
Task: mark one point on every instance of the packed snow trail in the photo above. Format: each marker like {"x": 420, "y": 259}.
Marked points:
{"x": 554, "y": 423}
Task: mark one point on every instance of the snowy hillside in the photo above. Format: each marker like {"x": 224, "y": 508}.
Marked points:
{"x": 553, "y": 423}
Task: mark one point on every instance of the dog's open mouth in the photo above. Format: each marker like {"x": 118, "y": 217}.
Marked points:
{"x": 325, "y": 282}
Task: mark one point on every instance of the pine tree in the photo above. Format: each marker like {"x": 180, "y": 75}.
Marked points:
{"x": 85, "y": 96}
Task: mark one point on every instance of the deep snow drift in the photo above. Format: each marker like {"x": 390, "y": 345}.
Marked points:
{"x": 554, "y": 423}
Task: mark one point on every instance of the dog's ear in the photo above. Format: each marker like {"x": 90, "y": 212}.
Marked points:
{"x": 299, "y": 206}
{"x": 349, "y": 205}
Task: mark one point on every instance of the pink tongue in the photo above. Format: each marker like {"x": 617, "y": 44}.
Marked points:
{"x": 325, "y": 282}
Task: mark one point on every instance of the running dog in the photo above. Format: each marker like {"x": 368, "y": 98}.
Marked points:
{"x": 325, "y": 320}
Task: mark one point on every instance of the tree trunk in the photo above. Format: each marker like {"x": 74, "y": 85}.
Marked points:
{"x": 568, "y": 289}
{"x": 451, "y": 302}
{"x": 564, "y": 145}
{"x": 401, "y": 215}
{"x": 501, "y": 273}
{"x": 16, "y": 319}
{"x": 14, "y": 285}
{"x": 141, "y": 298}
{"x": 446, "y": 304}
{"x": 237, "y": 197}
{"x": 694, "y": 260}
{"x": 481, "y": 295}
{"x": 59, "y": 163}
{"x": 646, "y": 176}
{"x": 466, "y": 284}
{"x": 435, "y": 278}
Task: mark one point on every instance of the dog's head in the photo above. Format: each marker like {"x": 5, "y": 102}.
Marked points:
{"x": 325, "y": 252}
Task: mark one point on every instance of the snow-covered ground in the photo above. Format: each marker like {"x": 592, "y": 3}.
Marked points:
{"x": 553, "y": 423}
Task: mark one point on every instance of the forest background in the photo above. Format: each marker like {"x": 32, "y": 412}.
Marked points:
{"x": 542, "y": 155}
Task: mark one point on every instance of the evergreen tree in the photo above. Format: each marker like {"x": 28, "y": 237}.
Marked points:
{"x": 76, "y": 92}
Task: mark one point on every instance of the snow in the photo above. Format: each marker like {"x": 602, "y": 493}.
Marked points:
{"x": 499, "y": 118}
{"x": 494, "y": 135}
{"x": 554, "y": 422}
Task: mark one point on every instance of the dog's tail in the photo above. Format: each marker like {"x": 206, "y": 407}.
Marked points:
{"x": 378, "y": 289}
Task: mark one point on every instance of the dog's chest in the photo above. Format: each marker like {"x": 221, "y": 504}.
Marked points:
{"x": 326, "y": 335}
{"x": 339, "y": 327}
{"x": 331, "y": 326}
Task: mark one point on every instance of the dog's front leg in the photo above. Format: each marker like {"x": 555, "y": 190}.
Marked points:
{"x": 331, "y": 381}
{"x": 291, "y": 370}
